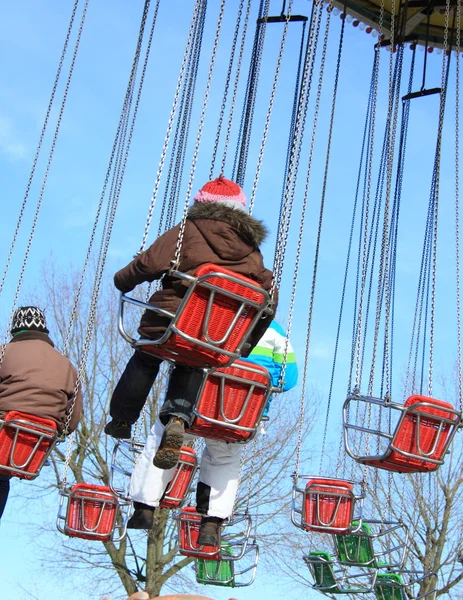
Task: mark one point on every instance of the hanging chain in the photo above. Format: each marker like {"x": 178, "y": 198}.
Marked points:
{"x": 295, "y": 152}
{"x": 445, "y": 58}
{"x": 235, "y": 87}
{"x": 322, "y": 203}
{"x": 173, "y": 111}
{"x": 457, "y": 205}
{"x": 270, "y": 109}
{"x": 45, "y": 177}
{"x": 39, "y": 145}
{"x": 226, "y": 88}
{"x": 178, "y": 250}
{"x": 374, "y": 97}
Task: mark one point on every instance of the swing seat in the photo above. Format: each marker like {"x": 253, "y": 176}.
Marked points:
{"x": 178, "y": 487}
{"x": 356, "y": 549}
{"x": 189, "y": 522}
{"x": 25, "y": 444}
{"x": 213, "y": 321}
{"x": 231, "y": 401}
{"x": 216, "y": 572}
{"x": 328, "y": 580}
{"x": 91, "y": 512}
{"x": 328, "y": 506}
{"x": 390, "y": 586}
{"x": 421, "y": 438}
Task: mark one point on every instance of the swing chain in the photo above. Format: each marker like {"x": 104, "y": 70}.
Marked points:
{"x": 226, "y": 89}
{"x": 445, "y": 60}
{"x": 270, "y": 108}
{"x": 235, "y": 86}
{"x": 186, "y": 57}
{"x": 39, "y": 145}
{"x": 457, "y": 205}
{"x": 45, "y": 177}
{"x": 176, "y": 260}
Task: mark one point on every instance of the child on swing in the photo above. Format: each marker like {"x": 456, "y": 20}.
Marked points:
{"x": 218, "y": 230}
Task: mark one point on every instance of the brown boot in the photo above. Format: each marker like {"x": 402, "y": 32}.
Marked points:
{"x": 172, "y": 440}
{"x": 209, "y": 531}
{"x": 142, "y": 517}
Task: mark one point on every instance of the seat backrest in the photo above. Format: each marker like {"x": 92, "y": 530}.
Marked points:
{"x": 356, "y": 549}
{"x": 322, "y": 568}
{"x": 328, "y": 505}
{"x": 389, "y": 586}
{"x": 91, "y": 512}
{"x": 25, "y": 441}
{"x": 181, "y": 480}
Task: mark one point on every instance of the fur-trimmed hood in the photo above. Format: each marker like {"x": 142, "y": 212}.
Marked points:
{"x": 250, "y": 230}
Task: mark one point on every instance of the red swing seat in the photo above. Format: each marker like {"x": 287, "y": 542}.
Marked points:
{"x": 189, "y": 522}
{"x": 212, "y": 323}
{"x": 25, "y": 443}
{"x": 328, "y": 506}
{"x": 91, "y": 512}
{"x": 231, "y": 402}
{"x": 181, "y": 481}
{"x": 421, "y": 437}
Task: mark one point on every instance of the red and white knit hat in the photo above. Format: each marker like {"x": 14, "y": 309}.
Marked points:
{"x": 222, "y": 190}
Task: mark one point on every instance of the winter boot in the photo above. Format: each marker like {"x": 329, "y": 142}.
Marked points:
{"x": 209, "y": 531}
{"x": 142, "y": 517}
{"x": 172, "y": 440}
{"x": 119, "y": 429}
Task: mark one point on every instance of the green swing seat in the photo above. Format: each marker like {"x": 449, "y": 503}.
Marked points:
{"x": 357, "y": 549}
{"x": 326, "y": 580}
{"x": 390, "y": 586}
{"x": 216, "y": 572}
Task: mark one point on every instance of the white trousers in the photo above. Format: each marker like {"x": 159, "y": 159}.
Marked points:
{"x": 219, "y": 469}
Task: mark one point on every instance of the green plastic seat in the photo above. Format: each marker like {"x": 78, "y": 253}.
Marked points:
{"x": 325, "y": 577}
{"x": 390, "y": 586}
{"x": 216, "y": 572}
{"x": 357, "y": 549}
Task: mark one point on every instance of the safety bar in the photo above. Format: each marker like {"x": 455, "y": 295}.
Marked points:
{"x": 343, "y": 580}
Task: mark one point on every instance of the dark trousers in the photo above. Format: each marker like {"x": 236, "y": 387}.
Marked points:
{"x": 4, "y": 489}
{"x": 138, "y": 378}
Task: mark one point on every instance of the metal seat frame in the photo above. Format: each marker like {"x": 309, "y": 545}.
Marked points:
{"x": 43, "y": 433}
{"x": 392, "y": 556}
{"x": 411, "y": 579}
{"x": 211, "y": 578}
{"x": 298, "y": 503}
{"x": 454, "y": 424}
{"x": 237, "y": 542}
{"x": 229, "y": 423}
{"x": 209, "y": 344}
{"x": 136, "y": 448}
{"x": 122, "y": 509}
{"x": 344, "y": 578}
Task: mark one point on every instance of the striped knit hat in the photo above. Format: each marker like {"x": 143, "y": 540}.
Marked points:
{"x": 224, "y": 191}
{"x": 29, "y": 318}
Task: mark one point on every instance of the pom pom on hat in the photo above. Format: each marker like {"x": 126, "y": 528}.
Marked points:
{"x": 222, "y": 190}
{"x": 29, "y": 318}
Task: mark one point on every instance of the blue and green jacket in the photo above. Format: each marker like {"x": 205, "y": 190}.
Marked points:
{"x": 269, "y": 354}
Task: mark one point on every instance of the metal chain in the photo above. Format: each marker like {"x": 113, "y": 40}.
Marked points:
{"x": 247, "y": 116}
{"x": 45, "y": 177}
{"x": 235, "y": 86}
{"x": 226, "y": 88}
{"x": 181, "y": 233}
{"x": 322, "y": 202}
{"x": 374, "y": 96}
{"x": 173, "y": 111}
{"x": 119, "y": 171}
{"x": 270, "y": 109}
{"x": 436, "y": 194}
{"x": 295, "y": 152}
{"x": 457, "y": 205}
{"x": 39, "y": 145}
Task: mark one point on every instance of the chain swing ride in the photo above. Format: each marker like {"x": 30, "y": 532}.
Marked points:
{"x": 357, "y": 547}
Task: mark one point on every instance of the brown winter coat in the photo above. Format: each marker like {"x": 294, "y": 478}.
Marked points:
{"x": 38, "y": 380}
{"x": 214, "y": 233}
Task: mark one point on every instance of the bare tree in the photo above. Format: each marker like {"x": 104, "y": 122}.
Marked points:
{"x": 148, "y": 562}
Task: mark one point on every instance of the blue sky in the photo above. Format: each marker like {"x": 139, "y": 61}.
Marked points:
{"x": 31, "y": 37}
